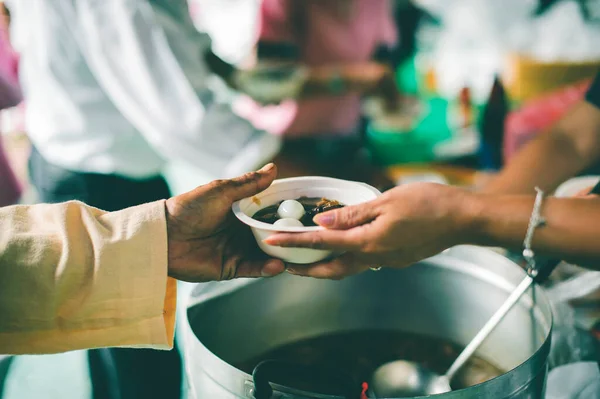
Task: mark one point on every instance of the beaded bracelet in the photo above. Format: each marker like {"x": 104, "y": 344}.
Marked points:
{"x": 535, "y": 221}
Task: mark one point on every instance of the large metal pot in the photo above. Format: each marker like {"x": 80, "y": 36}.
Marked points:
{"x": 449, "y": 296}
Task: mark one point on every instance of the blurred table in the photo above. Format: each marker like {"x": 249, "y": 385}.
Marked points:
{"x": 346, "y": 160}
{"x": 455, "y": 175}
{"x": 338, "y": 158}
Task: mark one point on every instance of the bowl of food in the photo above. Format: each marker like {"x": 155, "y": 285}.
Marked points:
{"x": 289, "y": 205}
{"x": 272, "y": 83}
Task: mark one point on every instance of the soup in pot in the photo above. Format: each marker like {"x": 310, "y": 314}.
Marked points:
{"x": 360, "y": 353}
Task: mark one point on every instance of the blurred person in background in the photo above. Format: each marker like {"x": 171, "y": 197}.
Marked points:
{"x": 115, "y": 88}
{"x": 10, "y": 96}
{"x": 562, "y": 151}
{"x": 348, "y": 46}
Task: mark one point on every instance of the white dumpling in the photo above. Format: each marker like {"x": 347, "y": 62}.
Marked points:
{"x": 290, "y": 209}
{"x": 288, "y": 222}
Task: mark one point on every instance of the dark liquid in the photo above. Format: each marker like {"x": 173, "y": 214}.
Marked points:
{"x": 312, "y": 206}
{"x": 360, "y": 353}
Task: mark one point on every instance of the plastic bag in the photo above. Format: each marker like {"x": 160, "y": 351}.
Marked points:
{"x": 574, "y": 381}
{"x": 570, "y": 343}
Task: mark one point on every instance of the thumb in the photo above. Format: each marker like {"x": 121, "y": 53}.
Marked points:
{"x": 347, "y": 217}
{"x": 250, "y": 184}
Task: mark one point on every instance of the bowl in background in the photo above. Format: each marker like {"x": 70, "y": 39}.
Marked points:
{"x": 344, "y": 191}
{"x": 272, "y": 83}
{"x": 573, "y": 186}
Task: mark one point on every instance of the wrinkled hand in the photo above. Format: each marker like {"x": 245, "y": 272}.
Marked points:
{"x": 403, "y": 226}
{"x": 207, "y": 242}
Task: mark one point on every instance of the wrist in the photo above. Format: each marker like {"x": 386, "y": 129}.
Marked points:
{"x": 172, "y": 243}
{"x": 470, "y": 219}
{"x": 499, "y": 221}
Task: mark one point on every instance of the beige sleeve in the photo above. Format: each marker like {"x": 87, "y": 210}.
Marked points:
{"x": 74, "y": 277}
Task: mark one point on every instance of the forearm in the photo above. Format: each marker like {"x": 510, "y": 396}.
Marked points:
{"x": 571, "y": 232}
{"x": 545, "y": 162}
{"x": 553, "y": 157}
{"x": 74, "y": 277}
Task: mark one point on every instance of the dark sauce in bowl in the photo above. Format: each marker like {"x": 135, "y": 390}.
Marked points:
{"x": 312, "y": 206}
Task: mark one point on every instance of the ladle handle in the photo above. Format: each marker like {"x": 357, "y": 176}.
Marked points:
{"x": 544, "y": 272}
{"x": 267, "y": 371}
{"x": 489, "y": 327}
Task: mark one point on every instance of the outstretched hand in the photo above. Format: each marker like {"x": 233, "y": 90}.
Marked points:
{"x": 403, "y": 226}
{"x": 207, "y": 242}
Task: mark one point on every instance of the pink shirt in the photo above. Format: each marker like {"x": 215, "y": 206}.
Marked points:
{"x": 10, "y": 95}
{"x": 329, "y": 39}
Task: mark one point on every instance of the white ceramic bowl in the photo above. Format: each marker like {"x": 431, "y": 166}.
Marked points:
{"x": 347, "y": 192}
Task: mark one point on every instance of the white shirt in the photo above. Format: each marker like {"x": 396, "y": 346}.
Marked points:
{"x": 232, "y": 25}
{"x": 118, "y": 86}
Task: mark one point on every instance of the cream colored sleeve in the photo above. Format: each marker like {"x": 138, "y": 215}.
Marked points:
{"x": 74, "y": 277}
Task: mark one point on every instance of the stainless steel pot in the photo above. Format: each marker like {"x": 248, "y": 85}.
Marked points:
{"x": 449, "y": 296}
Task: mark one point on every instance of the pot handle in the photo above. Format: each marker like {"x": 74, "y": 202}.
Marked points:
{"x": 547, "y": 266}
{"x": 268, "y": 370}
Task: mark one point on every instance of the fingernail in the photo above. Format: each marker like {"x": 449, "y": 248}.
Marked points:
{"x": 324, "y": 219}
{"x": 267, "y": 167}
{"x": 265, "y": 273}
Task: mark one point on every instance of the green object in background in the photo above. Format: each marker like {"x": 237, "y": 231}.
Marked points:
{"x": 406, "y": 76}
{"x": 416, "y": 145}
{"x": 430, "y": 129}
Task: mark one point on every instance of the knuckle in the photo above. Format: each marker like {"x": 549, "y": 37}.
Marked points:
{"x": 368, "y": 247}
{"x": 219, "y": 184}
{"x": 230, "y": 268}
{"x": 349, "y": 216}
{"x": 316, "y": 242}
{"x": 247, "y": 177}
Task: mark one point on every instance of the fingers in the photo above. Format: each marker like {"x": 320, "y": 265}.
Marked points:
{"x": 337, "y": 240}
{"x": 256, "y": 268}
{"x": 249, "y": 184}
{"x": 243, "y": 258}
{"x": 347, "y": 217}
{"x": 336, "y": 269}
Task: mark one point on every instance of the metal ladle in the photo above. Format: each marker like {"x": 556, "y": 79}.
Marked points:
{"x": 401, "y": 378}
{"x": 405, "y": 379}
